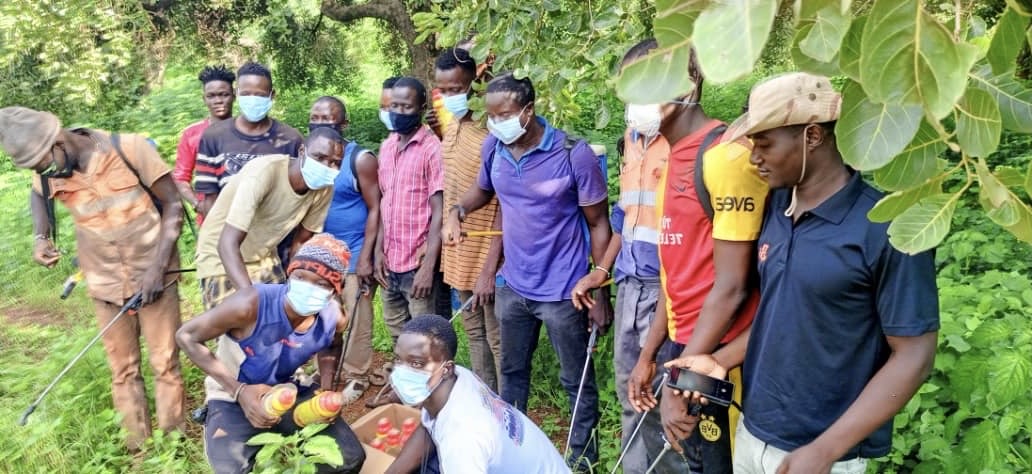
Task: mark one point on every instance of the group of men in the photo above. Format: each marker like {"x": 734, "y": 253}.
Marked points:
{"x": 740, "y": 252}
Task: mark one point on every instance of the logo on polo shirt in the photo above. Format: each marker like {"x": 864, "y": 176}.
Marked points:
{"x": 734, "y": 203}
{"x": 763, "y": 252}
{"x": 709, "y": 429}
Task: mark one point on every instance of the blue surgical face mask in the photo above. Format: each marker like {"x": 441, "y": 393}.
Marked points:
{"x": 316, "y": 174}
{"x": 307, "y": 298}
{"x": 412, "y": 385}
{"x": 254, "y": 107}
{"x": 509, "y": 130}
{"x": 457, "y": 104}
{"x": 385, "y": 118}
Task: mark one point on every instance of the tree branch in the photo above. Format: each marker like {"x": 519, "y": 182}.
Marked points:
{"x": 396, "y": 14}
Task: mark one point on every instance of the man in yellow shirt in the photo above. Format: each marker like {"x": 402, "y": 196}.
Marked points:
{"x": 710, "y": 215}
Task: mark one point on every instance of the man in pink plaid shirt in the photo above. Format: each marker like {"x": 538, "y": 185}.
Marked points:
{"x": 412, "y": 183}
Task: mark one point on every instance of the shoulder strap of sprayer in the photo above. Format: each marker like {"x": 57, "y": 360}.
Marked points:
{"x": 44, "y": 184}
{"x": 700, "y": 183}
{"x": 116, "y": 142}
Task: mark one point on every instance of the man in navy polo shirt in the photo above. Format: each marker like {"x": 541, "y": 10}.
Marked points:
{"x": 846, "y": 329}
{"x": 546, "y": 191}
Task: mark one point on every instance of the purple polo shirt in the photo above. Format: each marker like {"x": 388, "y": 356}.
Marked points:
{"x": 541, "y": 195}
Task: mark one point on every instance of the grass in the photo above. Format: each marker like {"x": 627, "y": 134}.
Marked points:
{"x": 75, "y": 428}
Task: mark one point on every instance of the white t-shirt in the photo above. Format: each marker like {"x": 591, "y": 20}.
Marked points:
{"x": 477, "y": 432}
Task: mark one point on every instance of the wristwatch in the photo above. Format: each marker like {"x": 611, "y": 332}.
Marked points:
{"x": 461, "y": 210}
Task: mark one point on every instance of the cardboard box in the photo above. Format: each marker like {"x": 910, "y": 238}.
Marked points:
{"x": 365, "y": 429}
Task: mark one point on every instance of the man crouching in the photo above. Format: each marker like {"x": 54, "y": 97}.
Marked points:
{"x": 270, "y": 331}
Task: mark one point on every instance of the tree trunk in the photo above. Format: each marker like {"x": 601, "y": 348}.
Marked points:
{"x": 396, "y": 14}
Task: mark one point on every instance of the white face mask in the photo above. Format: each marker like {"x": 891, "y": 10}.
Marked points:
{"x": 385, "y": 118}
{"x": 644, "y": 119}
{"x": 307, "y": 298}
{"x": 316, "y": 174}
{"x": 457, "y": 104}
{"x": 508, "y": 130}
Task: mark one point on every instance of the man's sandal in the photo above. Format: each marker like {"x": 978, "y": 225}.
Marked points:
{"x": 385, "y": 396}
{"x": 353, "y": 390}
{"x": 381, "y": 376}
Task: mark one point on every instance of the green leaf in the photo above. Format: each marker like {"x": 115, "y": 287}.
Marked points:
{"x": 310, "y": 430}
{"x": 983, "y": 447}
{"x": 656, "y": 77}
{"x": 808, "y": 9}
{"x": 869, "y": 135}
{"x": 923, "y": 225}
{"x": 894, "y": 204}
{"x": 824, "y": 38}
{"x": 605, "y": 20}
{"x": 1010, "y": 424}
{"x": 1010, "y": 177}
{"x": 978, "y": 122}
{"x": 1011, "y": 377}
{"x": 953, "y": 422}
{"x": 1002, "y": 205}
{"x": 907, "y": 56}
{"x": 1023, "y": 7}
{"x": 729, "y": 37}
{"x": 1007, "y": 41}
{"x": 806, "y": 63}
{"x": 849, "y": 53}
{"x": 917, "y": 162}
{"x": 325, "y": 449}
{"x": 992, "y": 189}
{"x": 675, "y": 20}
{"x": 1028, "y": 180}
{"x": 1015, "y": 101}
{"x": 1022, "y": 227}
{"x": 265, "y": 438}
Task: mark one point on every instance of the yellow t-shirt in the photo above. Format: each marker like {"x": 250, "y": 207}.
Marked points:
{"x": 260, "y": 201}
{"x": 738, "y": 195}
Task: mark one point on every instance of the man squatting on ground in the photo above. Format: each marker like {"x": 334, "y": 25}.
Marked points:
{"x": 265, "y": 333}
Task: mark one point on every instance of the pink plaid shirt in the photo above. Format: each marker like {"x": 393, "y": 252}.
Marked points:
{"x": 408, "y": 177}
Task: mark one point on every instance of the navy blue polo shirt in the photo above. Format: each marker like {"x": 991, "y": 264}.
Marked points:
{"x": 832, "y": 288}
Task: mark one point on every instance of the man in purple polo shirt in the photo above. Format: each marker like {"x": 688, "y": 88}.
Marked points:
{"x": 547, "y": 190}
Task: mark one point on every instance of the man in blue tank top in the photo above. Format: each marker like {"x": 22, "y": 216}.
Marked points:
{"x": 354, "y": 217}
{"x": 271, "y": 330}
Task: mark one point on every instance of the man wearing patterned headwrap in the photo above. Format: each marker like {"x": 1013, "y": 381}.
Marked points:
{"x": 271, "y": 330}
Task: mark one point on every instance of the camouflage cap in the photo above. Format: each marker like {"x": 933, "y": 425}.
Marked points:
{"x": 795, "y": 98}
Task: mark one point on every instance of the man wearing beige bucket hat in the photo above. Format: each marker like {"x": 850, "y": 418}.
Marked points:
{"x": 112, "y": 186}
{"x": 845, "y": 332}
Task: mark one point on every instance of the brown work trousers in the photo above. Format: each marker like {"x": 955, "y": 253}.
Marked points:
{"x": 157, "y": 322}
{"x": 359, "y": 310}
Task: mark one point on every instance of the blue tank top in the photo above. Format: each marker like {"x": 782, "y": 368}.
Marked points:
{"x": 274, "y": 351}
{"x": 346, "y": 218}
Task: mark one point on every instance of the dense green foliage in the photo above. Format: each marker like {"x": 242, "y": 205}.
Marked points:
{"x": 108, "y": 67}
{"x": 913, "y": 87}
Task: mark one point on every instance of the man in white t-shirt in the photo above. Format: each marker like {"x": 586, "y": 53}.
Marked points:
{"x": 466, "y": 427}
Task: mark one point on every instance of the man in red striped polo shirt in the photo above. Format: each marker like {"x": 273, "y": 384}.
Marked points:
{"x": 412, "y": 183}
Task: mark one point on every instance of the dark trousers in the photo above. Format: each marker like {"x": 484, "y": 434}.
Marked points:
{"x": 226, "y": 431}
{"x": 519, "y": 322}
{"x": 707, "y": 450}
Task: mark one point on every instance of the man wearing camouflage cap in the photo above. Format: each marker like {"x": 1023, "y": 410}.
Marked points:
{"x": 127, "y": 217}
{"x": 846, "y": 328}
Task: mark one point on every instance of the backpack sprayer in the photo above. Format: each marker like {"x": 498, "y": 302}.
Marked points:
{"x": 132, "y": 305}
